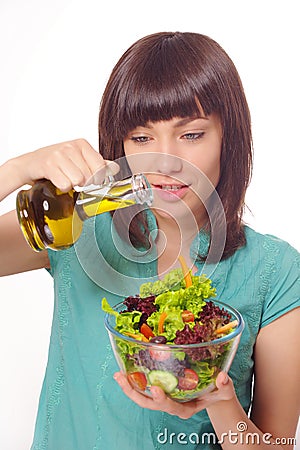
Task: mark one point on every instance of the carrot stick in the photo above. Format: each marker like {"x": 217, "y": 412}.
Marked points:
{"x": 226, "y": 327}
{"x": 186, "y": 272}
{"x": 139, "y": 337}
{"x": 161, "y": 322}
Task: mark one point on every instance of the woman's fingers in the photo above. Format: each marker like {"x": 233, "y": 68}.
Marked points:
{"x": 68, "y": 164}
{"x": 110, "y": 169}
{"x": 78, "y": 162}
{"x": 139, "y": 399}
{"x": 95, "y": 163}
{"x": 160, "y": 401}
{"x": 66, "y": 170}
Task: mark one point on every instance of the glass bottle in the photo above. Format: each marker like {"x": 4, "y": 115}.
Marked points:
{"x": 53, "y": 219}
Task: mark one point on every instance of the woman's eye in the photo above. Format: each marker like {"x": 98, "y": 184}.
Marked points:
{"x": 193, "y": 136}
{"x": 140, "y": 139}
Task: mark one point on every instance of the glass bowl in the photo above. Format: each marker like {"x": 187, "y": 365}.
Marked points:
{"x": 184, "y": 372}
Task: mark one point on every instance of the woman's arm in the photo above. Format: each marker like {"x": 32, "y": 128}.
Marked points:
{"x": 15, "y": 254}
{"x": 276, "y": 404}
{"x": 67, "y": 164}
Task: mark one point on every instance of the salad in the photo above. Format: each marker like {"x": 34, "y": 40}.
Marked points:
{"x": 174, "y": 334}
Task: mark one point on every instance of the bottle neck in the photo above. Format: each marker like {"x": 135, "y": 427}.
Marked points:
{"x": 94, "y": 200}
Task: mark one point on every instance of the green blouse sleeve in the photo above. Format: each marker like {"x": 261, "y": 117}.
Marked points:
{"x": 284, "y": 291}
{"x": 52, "y": 260}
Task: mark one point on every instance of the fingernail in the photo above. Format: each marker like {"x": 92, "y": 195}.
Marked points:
{"x": 226, "y": 379}
{"x": 155, "y": 392}
{"x": 116, "y": 377}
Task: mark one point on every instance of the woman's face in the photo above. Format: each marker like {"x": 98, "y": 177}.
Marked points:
{"x": 181, "y": 158}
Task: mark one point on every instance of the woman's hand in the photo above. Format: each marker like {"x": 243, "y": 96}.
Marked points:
{"x": 159, "y": 401}
{"x": 67, "y": 164}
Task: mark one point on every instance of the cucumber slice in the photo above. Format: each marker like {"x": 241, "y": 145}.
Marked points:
{"x": 166, "y": 380}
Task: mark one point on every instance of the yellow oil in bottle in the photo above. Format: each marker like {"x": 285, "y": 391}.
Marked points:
{"x": 53, "y": 219}
{"x": 88, "y": 205}
{"x": 47, "y": 216}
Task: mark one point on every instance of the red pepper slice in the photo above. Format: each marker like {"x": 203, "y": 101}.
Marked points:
{"x": 146, "y": 331}
{"x": 187, "y": 316}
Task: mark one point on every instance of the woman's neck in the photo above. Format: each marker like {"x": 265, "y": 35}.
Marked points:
{"x": 174, "y": 239}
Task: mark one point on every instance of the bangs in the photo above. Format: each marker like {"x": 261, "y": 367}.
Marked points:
{"x": 167, "y": 75}
{"x": 169, "y": 82}
{"x": 157, "y": 99}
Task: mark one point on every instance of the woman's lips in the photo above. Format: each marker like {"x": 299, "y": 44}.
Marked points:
{"x": 170, "y": 192}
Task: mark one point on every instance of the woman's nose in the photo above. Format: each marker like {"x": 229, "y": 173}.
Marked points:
{"x": 167, "y": 162}
{"x": 167, "y": 158}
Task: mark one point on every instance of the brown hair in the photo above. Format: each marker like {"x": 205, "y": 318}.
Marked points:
{"x": 166, "y": 75}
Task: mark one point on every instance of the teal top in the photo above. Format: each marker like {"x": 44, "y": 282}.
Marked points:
{"x": 81, "y": 406}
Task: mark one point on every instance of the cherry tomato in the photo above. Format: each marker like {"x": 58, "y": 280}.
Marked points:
{"x": 146, "y": 331}
{"x": 188, "y": 381}
{"x": 160, "y": 355}
{"x": 187, "y": 316}
{"x": 137, "y": 380}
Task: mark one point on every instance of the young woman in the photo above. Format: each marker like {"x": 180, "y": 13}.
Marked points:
{"x": 174, "y": 106}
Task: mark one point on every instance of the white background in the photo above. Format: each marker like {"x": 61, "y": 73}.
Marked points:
{"x": 55, "y": 60}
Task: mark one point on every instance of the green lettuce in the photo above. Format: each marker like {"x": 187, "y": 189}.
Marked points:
{"x": 174, "y": 302}
{"x": 174, "y": 299}
{"x": 171, "y": 282}
{"x": 127, "y": 322}
{"x": 172, "y": 323}
{"x": 107, "y": 308}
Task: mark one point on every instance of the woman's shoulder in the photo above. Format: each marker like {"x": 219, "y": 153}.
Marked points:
{"x": 264, "y": 258}
{"x": 264, "y": 244}
{"x": 278, "y": 271}
{"x": 277, "y": 263}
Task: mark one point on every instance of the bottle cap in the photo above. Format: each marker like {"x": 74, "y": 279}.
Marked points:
{"x": 142, "y": 189}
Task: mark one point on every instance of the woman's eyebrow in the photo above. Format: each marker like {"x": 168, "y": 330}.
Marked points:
{"x": 187, "y": 120}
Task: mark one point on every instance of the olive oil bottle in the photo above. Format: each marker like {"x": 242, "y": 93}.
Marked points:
{"x": 53, "y": 219}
